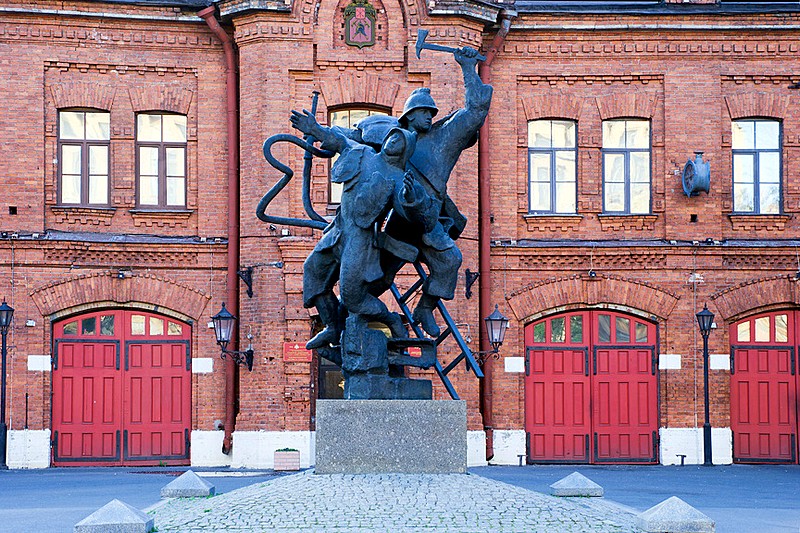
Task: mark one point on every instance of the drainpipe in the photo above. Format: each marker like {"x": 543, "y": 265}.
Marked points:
{"x": 232, "y": 280}
{"x": 485, "y": 235}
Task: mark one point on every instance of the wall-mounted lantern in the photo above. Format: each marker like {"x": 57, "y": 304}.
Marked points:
{"x": 224, "y": 322}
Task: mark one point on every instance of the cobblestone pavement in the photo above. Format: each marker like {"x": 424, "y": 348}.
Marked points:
{"x": 402, "y": 503}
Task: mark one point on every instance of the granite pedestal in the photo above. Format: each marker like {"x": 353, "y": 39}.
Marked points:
{"x": 391, "y": 436}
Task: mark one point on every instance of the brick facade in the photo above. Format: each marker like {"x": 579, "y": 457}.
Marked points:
{"x": 684, "y": 67}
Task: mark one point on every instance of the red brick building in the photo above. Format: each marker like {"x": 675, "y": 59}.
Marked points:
{"x": 133, "y": 168}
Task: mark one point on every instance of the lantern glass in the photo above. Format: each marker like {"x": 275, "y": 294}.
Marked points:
{"x": 704, "y": 319}
{"x": 224, "y": 322}
{"x": 6, "y": 314}
{"x": 496, "y": 325}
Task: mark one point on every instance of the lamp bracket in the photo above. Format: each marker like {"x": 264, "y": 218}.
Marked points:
{"x": 471, "y": 278}
{"x": 246, "y": 274}
{"x": 244, "y": 358}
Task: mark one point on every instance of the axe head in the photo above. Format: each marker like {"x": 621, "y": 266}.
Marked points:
{"x": 421, "y": 36}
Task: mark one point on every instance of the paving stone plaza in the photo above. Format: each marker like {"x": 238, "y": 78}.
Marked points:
{"x": 389, "y": 502}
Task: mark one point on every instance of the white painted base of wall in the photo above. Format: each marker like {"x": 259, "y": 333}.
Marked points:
{"x": 28, "y": 448}
{"x": 476, "y": 448}
{"x": 509, "y": 444}
{"x": 256, "y": 449}
{"x": 206, "y": 449}
{"x": 689, "y": 442}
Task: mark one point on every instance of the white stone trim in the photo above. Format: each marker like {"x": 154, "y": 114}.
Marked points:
{"x": 206, "y": 449}
{"x": 202, "y": 365}
{"x": 39, "y": 363}
{"x": 28, "y": 448}
{"x": 719, "y": 361}
{"x": 689, "y": 442}
{"x": 256, "y": 449}
{"x": 669, "y": 361}
{"x": 514, "y": 364}
{"x": 476, "y": 448}
{"x": 509, "y": 444}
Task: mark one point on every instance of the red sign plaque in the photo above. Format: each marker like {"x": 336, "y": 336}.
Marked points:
{"x": 295, "y": 352}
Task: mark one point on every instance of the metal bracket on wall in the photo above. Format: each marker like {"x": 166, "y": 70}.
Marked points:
{"x": 472, "y": 277}
{"x": 246, "y": 275}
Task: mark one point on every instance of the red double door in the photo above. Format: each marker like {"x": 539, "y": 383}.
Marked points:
{"x": 591, "y": 391}
{"x": 764, "y": 388}
{"x": 121, "y": 390}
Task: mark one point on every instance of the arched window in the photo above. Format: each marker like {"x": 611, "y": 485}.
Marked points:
{"x": 161, "y": 160}
{"x": 626, "y": 166}
{"x": 756, "y": 148}
{"x": 552, "y": 169}
{"x": 83, "y": 147}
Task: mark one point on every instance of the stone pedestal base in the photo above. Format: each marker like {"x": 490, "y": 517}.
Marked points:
{"x": 391, "y": 436}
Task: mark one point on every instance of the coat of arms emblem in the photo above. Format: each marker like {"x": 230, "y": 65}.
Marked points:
{"x": 359, "y": 24}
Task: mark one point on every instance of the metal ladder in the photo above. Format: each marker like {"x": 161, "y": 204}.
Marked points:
{"x": 451, "y": 329}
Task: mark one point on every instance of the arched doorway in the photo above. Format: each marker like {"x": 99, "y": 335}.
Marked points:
{"x": 121, "y": 389}
{"x": 764, "y": 388}
{"x": 591, "y": 390}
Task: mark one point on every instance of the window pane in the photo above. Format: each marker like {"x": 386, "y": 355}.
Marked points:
{"x": 563, "y": 134}
{"x": 762, "y": 329}
{"x": 137, "y": 324}
{"x": 107, "y": 325}
{"x": 540, "y": 166}
{"x": 175, "y": 161}
{"x": 174, "y": 329}
{"x": 767, "y": 134}
{"x": 98, "y": 189}
{"x": 623, "y": 329}
{"x": 98, "y": 126}
{"x": 604, "y": 328}
{"x": 540, "y": 197}
{"x": 156, "y": 326}
{"x": 538, "y": 332}
{"x": 89, "y": 326}
{"x": 614, "y": 197}
{"x": 769, "y": 167}
{"x": 71, "y": 328}
{"x": 70, "y": 159}
{"x": 70, "y": 189}
{"x": 743, "y": 168}
{"x": 357, "y": 115}
{"x": 743, "y": 201}
{"x": 148, "y": 127}
{"x": 565, "y": 166}
{"x": 640, "y": 167}
{"x": 540, "y": 181}
{"x": 340, "y": 118}
{"x": 637, "y": 133}
{"x": 614, "y": 134}
{"x": 176, "y": 191}
{"x": 539, "y": 132}
{"x": 148, "y": 190}
{"x": 743, "y": 135}
{"x": 98, "y": 159}
{"x": 641, "y": 332}
{"x": 576, "y": 329}
{"x": 614, "y": 168}
{"x": 769, "y": 199}
{"x": 640, "y": 198}
{"x": 781, "y": 328}
{"x": 174, "y": 128}
{"x": 148, "y": 160}
{"x": 557, "y": 333}
{"x": 565, "y": 197}
{"x": 743, "y": 332}
{"x": 336, "y": 193}
{"x": 70, "y": 125}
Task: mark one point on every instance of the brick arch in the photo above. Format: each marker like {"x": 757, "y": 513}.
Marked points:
{"x": 756, "y": 294}
{"x": 82, "y": 94}
{"x": 757, "y": 105}
{"x": 552, "y": 106}
{"x": 85, "y": 292}
{"x": 583, "y": 290}
{"x": 158, "y": 98}
{"x": 640, "y": 105}
{"x": 351, "y": 88}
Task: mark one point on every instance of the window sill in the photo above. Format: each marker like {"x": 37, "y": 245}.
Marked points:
{"x": 627, "y": 222}
{"x": 83, "y": 215}
{"x": 551, "y": 222}
{"x": 759, "y": 222}
{"x": 161, "y": 217}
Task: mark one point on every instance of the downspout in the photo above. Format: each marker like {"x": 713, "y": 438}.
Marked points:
{"x": 485, "y": 235}
{"x": 232, "y": 280}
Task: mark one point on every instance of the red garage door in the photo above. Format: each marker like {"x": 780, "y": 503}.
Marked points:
{"x": 764, "y": 387}
{"x": 121, "y": 390}
{"x": 591, "y": 389}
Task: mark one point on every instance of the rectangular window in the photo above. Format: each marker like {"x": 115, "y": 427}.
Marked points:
{"x": 83, "y": 148}
{"x": 626, "y": 167}
{"x": 346, "y": 119}
{"x": 552, "y": 169}
{"x": 756, "y": 149}
{"x": 161, "y": 160}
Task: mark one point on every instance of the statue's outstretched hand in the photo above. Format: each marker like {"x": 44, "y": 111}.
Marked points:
{"x": 466, "y": 56}
{"x": 304, "y": 121}
{"x": 409, "y": 195}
